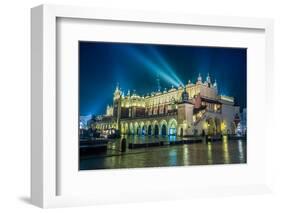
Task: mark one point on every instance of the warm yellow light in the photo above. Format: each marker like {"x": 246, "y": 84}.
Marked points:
{"x": 223, "y": 126}
{"x": 205, "y": 125}
{"x": 194, "y": 118}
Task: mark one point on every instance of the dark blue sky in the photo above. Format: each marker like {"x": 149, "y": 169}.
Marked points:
{"x": 136, "y": 67}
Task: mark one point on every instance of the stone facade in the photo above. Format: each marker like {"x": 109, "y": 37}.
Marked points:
{"x": 194, "y": 109}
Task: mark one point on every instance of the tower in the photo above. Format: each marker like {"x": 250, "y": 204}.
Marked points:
{"x": 185, "y": 114}
{"x": 117, "y": 98}
{"x": 215, "y": 85}
{"x": 199, "y": 79}
{"x": 208, "y": 80}
{"x": 117, "y": 93}
{"x": 184, "y": 96}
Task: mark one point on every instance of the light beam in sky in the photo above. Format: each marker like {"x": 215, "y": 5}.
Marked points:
{"x": 154, "y": 67}
{"x": 165, "y": 64}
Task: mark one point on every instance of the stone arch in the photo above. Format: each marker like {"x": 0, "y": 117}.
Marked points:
{"x": 164, "y": 130}
{"x": 155, "y": 128}
{"x": 131, "y": 128}
{"x": 126, "y": 128}
{"x": 149, "y": 129}
{"x": 142, "y": 128}
{"x": 163, "y": 127}
{"x": 136, "y": 128}
{"x": 172, "y": 127}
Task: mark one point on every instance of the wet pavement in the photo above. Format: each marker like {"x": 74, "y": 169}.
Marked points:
{"x": 220, "y": 152}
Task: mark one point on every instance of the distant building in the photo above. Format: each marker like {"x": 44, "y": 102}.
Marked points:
{"x": 242, "y": 126}
{"x": 84, "y": 121}
{"x": 192, "y": 109}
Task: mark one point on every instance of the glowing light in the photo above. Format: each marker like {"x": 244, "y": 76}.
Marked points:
{"x": 154, "y": 67}
{"x": 205, "y": 125}
{"x": 173, "y": 157}
{"x": 194, "y": 118}
{"x": 172, "y": 131}
{"x": 225, "y": 149}
{"x": 210, "y": 158}
{"x": 223, "y": 127}
{"x": 165, "y": 64}
{"x": 227, "y": 98}
{"x": 240, "y": 149}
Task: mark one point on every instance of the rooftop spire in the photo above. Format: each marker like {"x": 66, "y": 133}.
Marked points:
{"x": 208, "y": 79}
{"x": 215, "y": 83}
{"x": 199, "y": 79}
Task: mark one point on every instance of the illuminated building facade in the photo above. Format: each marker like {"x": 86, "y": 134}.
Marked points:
{"x": 193, "y": 109}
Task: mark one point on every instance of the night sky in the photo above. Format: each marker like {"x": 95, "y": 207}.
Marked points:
{"x": 136, "y": 67}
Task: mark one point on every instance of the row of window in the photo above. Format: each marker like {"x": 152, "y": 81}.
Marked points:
{"x": 213, "y": 107}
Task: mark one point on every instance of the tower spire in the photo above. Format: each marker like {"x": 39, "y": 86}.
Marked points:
{"x": 215, "y": 83}
{"x": 208, "y": 78}
{"x": 199, "y": 79}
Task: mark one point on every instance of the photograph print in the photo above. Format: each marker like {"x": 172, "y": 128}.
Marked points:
{"x": 159, "y": 105}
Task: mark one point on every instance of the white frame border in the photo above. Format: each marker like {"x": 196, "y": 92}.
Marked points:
{"x": 43, "y": 90}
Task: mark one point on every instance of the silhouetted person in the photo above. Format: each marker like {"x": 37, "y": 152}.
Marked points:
{"x": 123, "y": 145}
{"x": 203, "y": 132}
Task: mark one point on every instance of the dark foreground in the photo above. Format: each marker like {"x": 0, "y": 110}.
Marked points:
{"x": 219, "y": 152}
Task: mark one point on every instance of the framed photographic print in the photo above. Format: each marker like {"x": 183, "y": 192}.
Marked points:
{"x": 148, "y": 105}
{"x": 178, "y": 117}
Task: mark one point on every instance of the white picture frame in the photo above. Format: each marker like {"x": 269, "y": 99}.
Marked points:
{"x": 44, "y": 154}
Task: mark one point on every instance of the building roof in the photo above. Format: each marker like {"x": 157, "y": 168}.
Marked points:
{"x": 210, "y": 100}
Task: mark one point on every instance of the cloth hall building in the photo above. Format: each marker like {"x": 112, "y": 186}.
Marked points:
{"x": 193, "y": 109}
